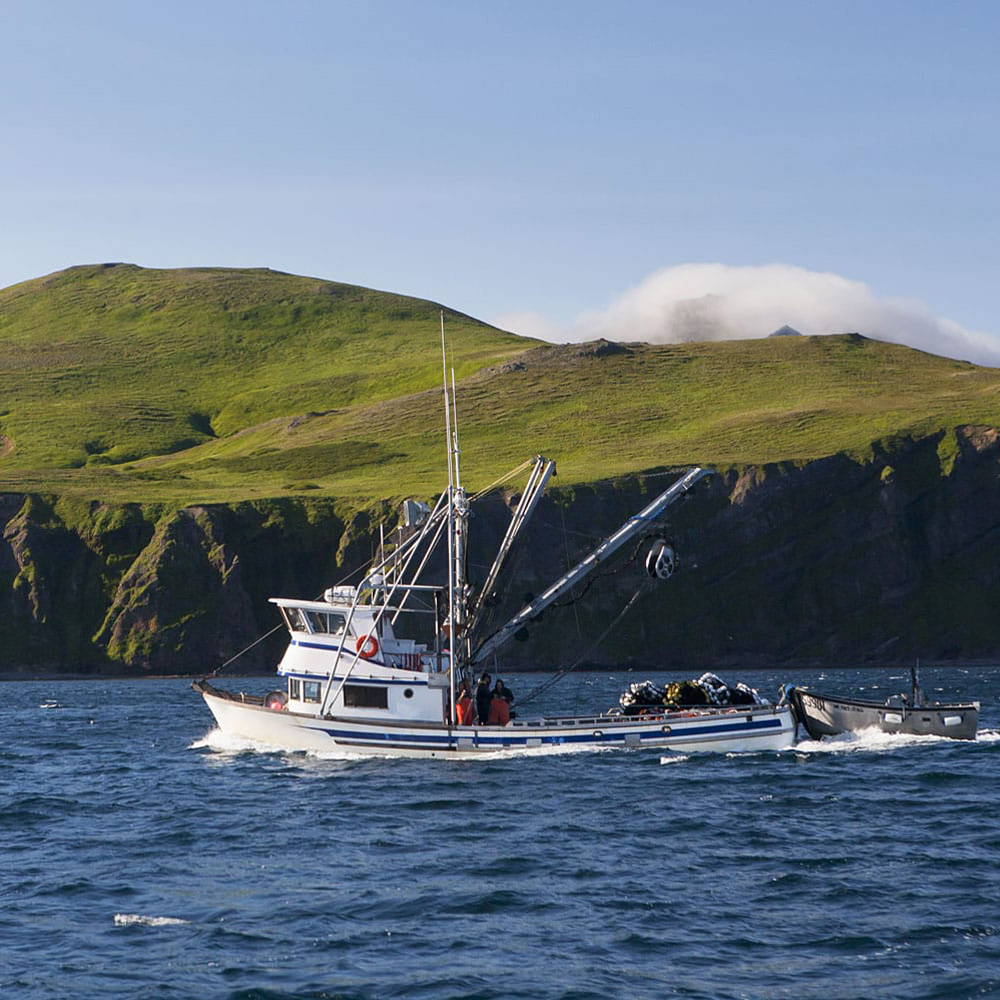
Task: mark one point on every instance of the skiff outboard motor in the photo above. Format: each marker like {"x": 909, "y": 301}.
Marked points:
{"x": 662, "y": 560}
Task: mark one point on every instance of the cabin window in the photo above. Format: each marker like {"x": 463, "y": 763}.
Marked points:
{"x": 295, "y": 620}
{"x": 310, "y": 690}
{"x": 326, "y": 622}
{"x": 356, "y": 696}
{"x": 294, "y": 689}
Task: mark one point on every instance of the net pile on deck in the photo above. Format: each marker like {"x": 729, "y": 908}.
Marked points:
{"x": 709, "y": 690}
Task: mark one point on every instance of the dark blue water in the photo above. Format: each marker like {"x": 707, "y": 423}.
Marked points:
{"x": 141, "y": 859}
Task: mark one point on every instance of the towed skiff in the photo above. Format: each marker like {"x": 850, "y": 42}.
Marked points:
{"x": 829, "y": 715}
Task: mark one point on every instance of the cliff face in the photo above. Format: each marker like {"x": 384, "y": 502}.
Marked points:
{"x": 183, "y": 597}
{"x": 834, "y": 562}
{"x": 129, "y": 589}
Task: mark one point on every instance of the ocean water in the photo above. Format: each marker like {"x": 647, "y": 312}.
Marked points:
{"x": 146, "y": 856}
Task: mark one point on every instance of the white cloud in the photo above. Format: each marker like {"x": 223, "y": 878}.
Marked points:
{"x": 530, "y": 324}
{"x": 723, "y": 302}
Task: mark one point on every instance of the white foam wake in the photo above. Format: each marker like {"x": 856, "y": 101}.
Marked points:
{"x": 675, "y": 759}
{"x": 873, "y": 740}
{"x": 216, "y": 739}
{"x": 132, "y": 919}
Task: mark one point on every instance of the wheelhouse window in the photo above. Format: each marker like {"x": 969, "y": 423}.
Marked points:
{"x": 310, "y": 691}
{"x": 363, "y": 696}
{"x": 327, "y": 622}
{"x": 295, "y": 620}
{"x": 294, "y": 689}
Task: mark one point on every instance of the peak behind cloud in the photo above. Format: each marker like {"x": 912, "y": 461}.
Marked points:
{"x": 723, "y": 302}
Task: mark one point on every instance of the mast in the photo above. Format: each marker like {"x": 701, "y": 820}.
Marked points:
{"x": 460, "y": 613}
{"x": 630, "y": 529}
{"x": 451, "y": 527}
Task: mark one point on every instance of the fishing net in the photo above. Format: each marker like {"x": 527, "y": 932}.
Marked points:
{"x": 709, "y": 690}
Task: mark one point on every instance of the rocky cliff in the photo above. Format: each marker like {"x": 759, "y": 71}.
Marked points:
{"x": 832, "y": 562}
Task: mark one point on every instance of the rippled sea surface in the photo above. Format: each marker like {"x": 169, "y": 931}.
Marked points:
{"x": 144, "y": 856}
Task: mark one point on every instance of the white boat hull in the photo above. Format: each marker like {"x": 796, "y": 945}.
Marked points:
{"x": 745, "y": 729}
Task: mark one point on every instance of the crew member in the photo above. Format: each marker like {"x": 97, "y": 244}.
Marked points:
{"x": 463, "y": 706}
{"x": 499, "y": 708}
{"x": 504, "y": 692}
{"x": 483, "y": 698}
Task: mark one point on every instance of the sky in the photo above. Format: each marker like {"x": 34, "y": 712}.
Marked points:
{"x": 640, "y": 170}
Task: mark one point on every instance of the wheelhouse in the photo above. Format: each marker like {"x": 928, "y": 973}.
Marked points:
{"x": 344, "y": 658}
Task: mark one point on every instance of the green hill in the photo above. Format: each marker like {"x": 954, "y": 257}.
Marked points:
{"x": 201, "y": 385}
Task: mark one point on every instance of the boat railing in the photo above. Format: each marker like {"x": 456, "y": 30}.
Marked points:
{"x": 240, "y": 696}
{"x": 620, "y": 718}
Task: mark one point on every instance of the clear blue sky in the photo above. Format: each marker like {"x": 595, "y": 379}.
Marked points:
{"x": 504, "y": 157}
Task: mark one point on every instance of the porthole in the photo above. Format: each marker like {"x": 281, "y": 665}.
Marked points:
{"x": 408, "y": 693}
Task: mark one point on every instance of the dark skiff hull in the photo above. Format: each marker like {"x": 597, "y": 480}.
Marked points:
{"x": 829, "y": 715}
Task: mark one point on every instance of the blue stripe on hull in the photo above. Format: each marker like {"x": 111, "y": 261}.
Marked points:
{"x": 405, "y": 682}
{"x": 451, "y": 742}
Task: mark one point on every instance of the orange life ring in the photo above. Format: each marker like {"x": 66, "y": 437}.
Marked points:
{"x": 367, "y": 646}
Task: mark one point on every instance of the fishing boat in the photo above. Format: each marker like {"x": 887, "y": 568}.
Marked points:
{"x": 352, "y": 680}
{"x": 913, "y": 714}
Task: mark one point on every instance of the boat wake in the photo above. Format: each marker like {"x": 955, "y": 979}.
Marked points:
{"x": 138, "y": 919}
{"x": 221, "y": 742}
{"x": 873, "y": 740}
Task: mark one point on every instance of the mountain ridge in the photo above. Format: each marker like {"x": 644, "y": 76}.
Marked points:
{"x": 220, "y": 384}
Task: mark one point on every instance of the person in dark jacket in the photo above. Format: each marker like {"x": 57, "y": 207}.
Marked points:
{"x": 483, "y": 698}
{"x": 502, "y": 691}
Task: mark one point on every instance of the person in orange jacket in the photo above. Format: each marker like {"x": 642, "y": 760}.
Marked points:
{"x": 505, "y": 693}
{"x": 463, "y": 706}
{"x": 499, "y": 708}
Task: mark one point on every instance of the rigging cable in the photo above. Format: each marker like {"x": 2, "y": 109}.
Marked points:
{"x": 552, "y": 681}
{"x": 247, "y": 649}
{"x": 593, "y": 578}
{"x": 261, "y": 638}
{"x": 569, "y": 566}
{"x": 503, "y": 479}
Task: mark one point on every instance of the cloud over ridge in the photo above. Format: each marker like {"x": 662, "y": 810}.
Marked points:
{"x": 691, "y": 302}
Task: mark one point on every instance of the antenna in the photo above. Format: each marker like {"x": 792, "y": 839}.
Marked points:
{"x": 447, "y": 405}
{"x": 454, "y": 424}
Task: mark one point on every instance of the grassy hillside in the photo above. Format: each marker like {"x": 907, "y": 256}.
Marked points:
{"x": 103, "y": 365}
{"x": 179, "y": 386}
